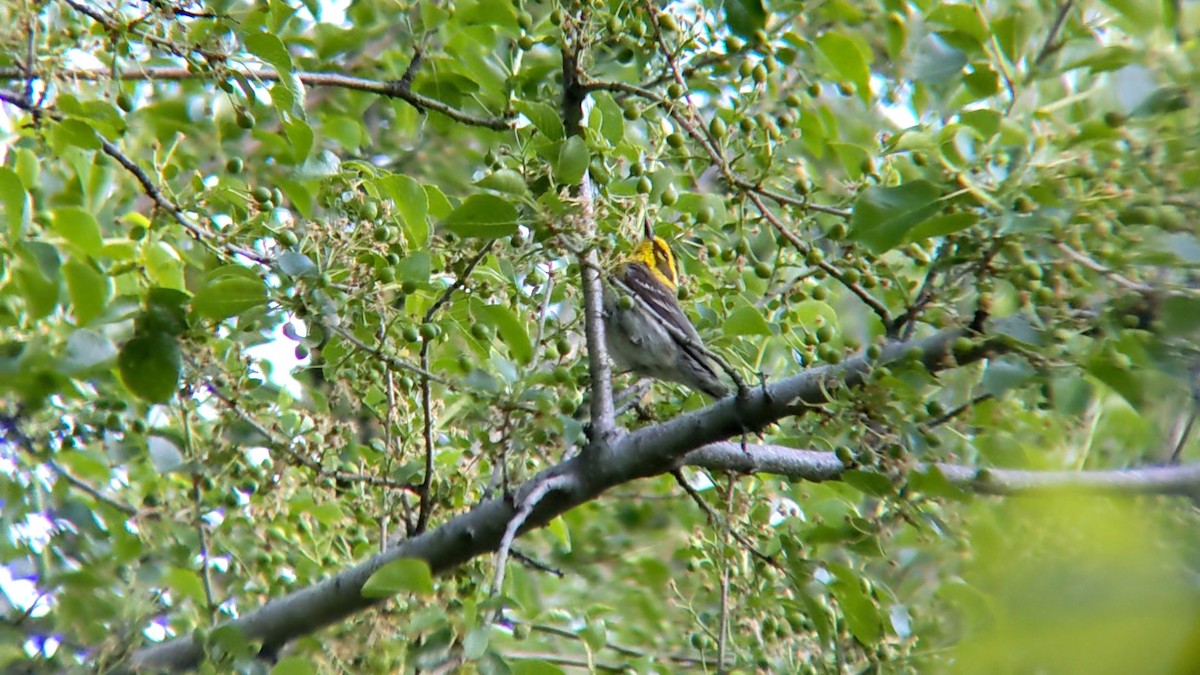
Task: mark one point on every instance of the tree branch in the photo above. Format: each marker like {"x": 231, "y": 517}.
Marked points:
{"x": 148, "y": 187}
{"x": 646, "y": 452}
{"x": 425, "y": 505}
{"x": 817, "y": 466}
{"x": 694, "y": 438}
{"x": 1051, "y": 44}
{"x": 602, "y": 415}
{"x": 401, "y": 89}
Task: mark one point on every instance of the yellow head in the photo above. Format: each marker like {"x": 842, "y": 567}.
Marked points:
{"x": 655, "y": 254}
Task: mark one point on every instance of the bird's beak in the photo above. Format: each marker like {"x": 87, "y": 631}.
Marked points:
{"x": 647, "y": 228}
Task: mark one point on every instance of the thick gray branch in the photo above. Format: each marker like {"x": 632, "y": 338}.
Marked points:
{"x": 647, "y": 452}
{"x": 818, "y": 466}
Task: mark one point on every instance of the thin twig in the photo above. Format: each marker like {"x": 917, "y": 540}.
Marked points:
{"x": 574, "y": 661}
{"x": 117, "y": 28}
{"x": 618, "y": 648}
{"x": 723, "y": 629}
{"x": 818, "y": 466}
{"x": 425, "y": 505}
{"x": 400, "y": 89}
{"x": 955, "y": 412}
{"x": 30, "y": 54}
{"x": 528, "y": 502}
{"x": 425, "y": 500}
{"x": 148, "y": 187}
{"x": 603, "y": 424}
{"x": 91, "y": 491}
{"x": 460, "y": 280}
{"x": 1088, "y": 262}
{"x": 210, "y": 605}
{"x": 389, "y": 456}
{"x": 532, "y": 563}
{"x": 1051, "y": 44}
{"x": 541, "y": 324}
{"x": 1184, "y": 435}
{"x": 280, "y": 443}
{"x": 391, "y": 360}
{"x": 717, "y": 521}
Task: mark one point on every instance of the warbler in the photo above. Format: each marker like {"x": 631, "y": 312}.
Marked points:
{"x": 651, "y": 335}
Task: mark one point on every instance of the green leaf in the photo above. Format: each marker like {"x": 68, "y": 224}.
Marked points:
{"x": 165, "y": 312}
{"x": 986, "y": 122}
{"x": 417, "y": 267}
{"x": 87, "y": 350}
{"x": 28, "y": 167}
{"x": 869, "y": 482}
{"x": 558, "y": 527}
{"x": 1072, "y": 395}
{"x": 80, "y": 228}
{"x": 963, "y": 19}
{"x": 90, "y": 290}
{"x": 745, "y": 17}
{"x": 269, "y": 48}
{"x": 544, "y": 118}
{"x": 595, "y": 634}
{"x": 1018, "y": 328}
{"x": 862, "y": 614}
{"x": 406, "y": 575}
{"x": 746, "y": 320}
{"x": 73, "y": 132}
{"x": 412, "y": 203}
{"x": 1166, "y": 99}
{"x": 439, "y": 205}
{"x": 848, "y": 59}
{"x": 1004, "y": 373}
{"x": 164, "y": 453}
{"x": 38, "y": 272}
{"x": 150, "y": 365}
{"x": 511, "y": 330}
{"x": 16, "y": 203}
{"x": 1012, "y": 33}
{"x": 813, "y": 314}
{"x": 483, "y": 216}
{"x": 328, "y": 512}
{"x": 1180, "y": 315}
{"x": 87, "y": 464}
{"x": 930, "y": 480}
{"x": 1112, "y": 57}
{"x": 942, "y": 225}
{"x": 883, "y": 216}
{"x": 344, "y": 130}
{"x": 476, "y": 643}
{"x": 573, "y": 158}
{"x": 1129, "y": 385}
{"x": 300, "y": 134}
{"x": 937, "y": 62}
{"x": 185, "y": 582}
{"x": 324, "y": 164}
{"x": 164, "y": 266}
{"x": 228, "y": 294}
{"x": 1142, "y": 15}
{"x": 295, "y": 264}
{"x": 535, "y": 667}
{"x": 611, "y": 119}
{"x": 293, "y": 665}
{"x": 504, "y": 180}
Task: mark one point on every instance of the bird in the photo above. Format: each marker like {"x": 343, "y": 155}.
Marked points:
{"x": 646, "y": 331}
